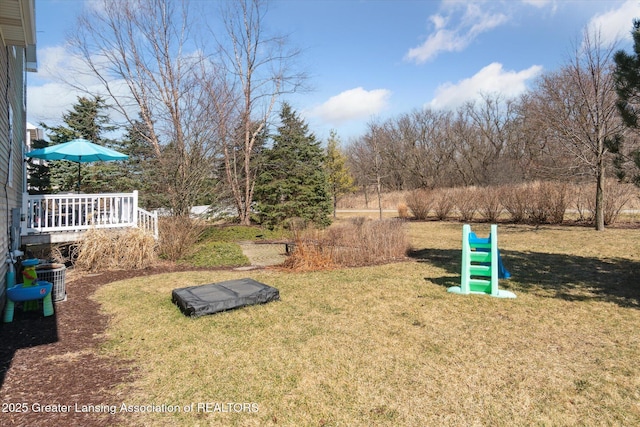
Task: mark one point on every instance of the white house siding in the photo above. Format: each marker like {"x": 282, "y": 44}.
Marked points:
{"x": 12, "y": 137}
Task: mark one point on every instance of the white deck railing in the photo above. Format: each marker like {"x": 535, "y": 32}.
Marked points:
{"x": 148, "y": 221}
{"x": 48, "y": 213}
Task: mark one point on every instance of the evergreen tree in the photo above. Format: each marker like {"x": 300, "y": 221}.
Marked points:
{"x": 293, "y": 183}
{"x": 87, "y": 120}
{"x": 143, "y": 173}
{"x": 627, "y": 80}
{"x": 340, "y": 180}
{"x": 146, "y": 172}
{"x": 38, "y": 173}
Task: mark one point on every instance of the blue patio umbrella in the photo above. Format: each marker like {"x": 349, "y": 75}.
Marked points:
{"x": 79, "y": 151}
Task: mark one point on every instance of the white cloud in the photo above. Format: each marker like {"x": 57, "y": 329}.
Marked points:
{"x": 447, "y": 37}
{"x": 48, "y": 96}
{"x": 490, "y": 79}
{"x": 48, "y": 102}
{"x": 539, "y": 3}
{"x": 439, "y": 21}
{"x": 352, "y": 104}
{"x": 617, "y": 23}
{"x": 58, "y": 63}
{"x": 51, "y": 92}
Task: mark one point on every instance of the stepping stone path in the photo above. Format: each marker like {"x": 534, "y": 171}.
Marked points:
{"x": 262, "y": 254}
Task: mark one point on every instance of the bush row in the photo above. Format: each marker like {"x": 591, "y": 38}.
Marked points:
{"x": 532, "y": 203}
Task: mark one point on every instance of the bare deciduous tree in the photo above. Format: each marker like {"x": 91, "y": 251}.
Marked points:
{"x": 576, "y": 108}
{"x": 495, "y": 119}
{"x": 366, "y": 155}
{"x": 359, "y": 160}
{"x": 480, "y": 144}
{"x": 145, "y": 57}
{"x": 261, "y": 71}
{"x": 432, "y": 153}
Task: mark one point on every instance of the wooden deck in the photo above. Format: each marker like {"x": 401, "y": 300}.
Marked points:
{"x": 57, "y": 218}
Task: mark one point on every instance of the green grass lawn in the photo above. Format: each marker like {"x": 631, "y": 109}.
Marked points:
{"x": 215, "y": 254}
{"x": 388, "y": 346}
{"x": 234, "y": 233}
{"x": 218, "y": 246}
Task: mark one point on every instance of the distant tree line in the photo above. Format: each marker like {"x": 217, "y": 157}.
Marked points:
{"x": 567, "y": 127}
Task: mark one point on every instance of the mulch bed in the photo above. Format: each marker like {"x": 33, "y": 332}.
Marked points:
{"x": 53, "y": 360}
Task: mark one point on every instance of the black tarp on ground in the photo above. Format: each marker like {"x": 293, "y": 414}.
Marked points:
{"x": 208, "y": 299}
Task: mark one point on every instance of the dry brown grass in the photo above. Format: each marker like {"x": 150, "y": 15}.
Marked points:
{"x": 309, "y": 253}
{"x": 104, "y": 249}
{"x": 389, "y": 200}
{"x": 389, "y": 346}
{"x": 308, "y": 256}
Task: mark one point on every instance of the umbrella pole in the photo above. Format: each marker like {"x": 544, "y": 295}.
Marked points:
{"x": 79, "y": 165}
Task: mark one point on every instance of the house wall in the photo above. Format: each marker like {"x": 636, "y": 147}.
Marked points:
{"x": 12, "y": 137}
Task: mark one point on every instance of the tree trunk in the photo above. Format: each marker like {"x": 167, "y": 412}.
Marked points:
{"x": 366, "y": 196}
{"x": 379, "y": 191}
{"x": 600, "y": 177}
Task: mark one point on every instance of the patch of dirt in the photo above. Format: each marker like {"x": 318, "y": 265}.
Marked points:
{"x": 51, "y": 364}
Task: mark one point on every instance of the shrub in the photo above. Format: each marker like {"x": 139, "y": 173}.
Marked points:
{"x": 489, "y": 205}
{"x": 539, "y": 209}
{"x": 465, "y": 201}
{"x": 444, "y": 201}
{"x": 515, "y": 201}
{"x": 582, "y": 202}
{"x": 309, "y": 253}
{"x": 557, "y": 194}
{"x": 177, "y": 235}
{"x": 616, "y": 196}
{"x": 355, "y": 243}
{"x": 101, "y": 249}
{"x": 403, "y": 210}
{"x": 547, "y": 202}
{"x": 419, "y": 202}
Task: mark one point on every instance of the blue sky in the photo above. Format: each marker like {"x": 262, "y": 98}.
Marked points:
{"x": 375, "y": 59}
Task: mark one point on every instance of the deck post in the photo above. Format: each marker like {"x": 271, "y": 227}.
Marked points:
{"x": 135, "y": 208}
